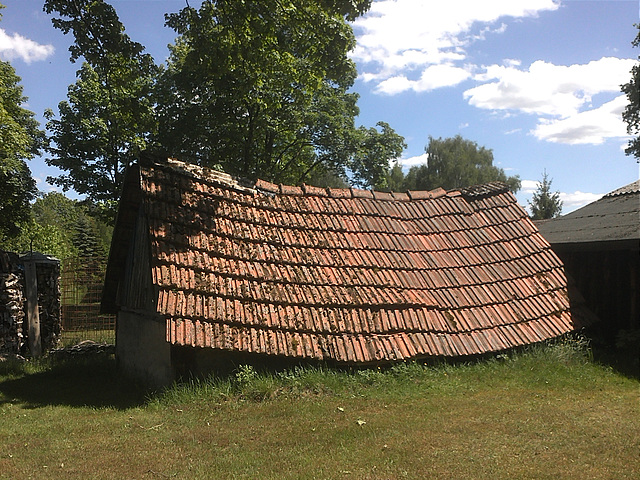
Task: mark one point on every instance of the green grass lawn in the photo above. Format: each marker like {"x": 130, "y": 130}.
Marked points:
{"x": 548, "y": 413}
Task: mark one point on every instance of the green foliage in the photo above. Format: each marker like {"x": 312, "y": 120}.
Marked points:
{"x": 63, "y": 228}
{"x": 20, "y": 140}
{"x": 631, "y": 113}
{"x": 108, "y": 117}
{"x": 395, "y": 178}
{"x": 49, "y": 227}
{"x": 18, "y": 189}
{"x": 371, "y": 162}
{"x": 456, "y": 163}
{"x": 544, "y": 204}
{"x": 260, "y": 89}
{"x": 47, "y": 239}
{"x": 85, "y": 238}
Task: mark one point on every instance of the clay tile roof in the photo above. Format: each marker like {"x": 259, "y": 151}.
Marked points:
{"x": 291, "y": 190}
{"x": 267, "y": 186}
{"x": 311, "y": 190}
{"x": 358, "y": 193}
{"x": 336, "y": 274}
{"x": 339, "y": 192}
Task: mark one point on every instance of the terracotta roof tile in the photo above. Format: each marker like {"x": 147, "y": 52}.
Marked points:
{"x": 344, "y": 274}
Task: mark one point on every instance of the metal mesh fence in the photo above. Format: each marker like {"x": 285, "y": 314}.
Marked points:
{"x": 81, "y": 284}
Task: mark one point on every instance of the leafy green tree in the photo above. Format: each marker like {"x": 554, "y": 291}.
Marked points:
{"x": 108, "y": 117}
{"x": 63, "y": 228}
{"x": 375, "y": 149}
{"x": 395, "y": 178}
{"x": 260, "y": 89}
{"x": 47, "y": 239}
{"x": 631, "y": 113}
{"x": 456, "y": 163}
{"x": 49, "y": 228}
{"x": 20, "y": 140}
{"x": 544, "y": 204}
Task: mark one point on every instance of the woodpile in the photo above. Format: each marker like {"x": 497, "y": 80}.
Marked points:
{"x": 14, "y": 321}
{"x": 12, "y": 304}
{"x": 48, "y": 273}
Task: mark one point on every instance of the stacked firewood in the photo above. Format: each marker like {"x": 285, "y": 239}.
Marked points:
{"x": 12, "y": 305}
{"x": 49, "y": 303}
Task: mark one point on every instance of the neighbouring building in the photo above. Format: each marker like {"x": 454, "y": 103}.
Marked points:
{"x": 600, "y": 247}
{"x": 206, "y": 269}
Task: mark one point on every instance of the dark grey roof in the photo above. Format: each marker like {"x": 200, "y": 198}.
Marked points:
{"x": 613, "y": 218}
{"x": 631, "y": 188}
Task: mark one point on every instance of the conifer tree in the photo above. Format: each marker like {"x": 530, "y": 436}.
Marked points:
{"x": 544, "y": 204}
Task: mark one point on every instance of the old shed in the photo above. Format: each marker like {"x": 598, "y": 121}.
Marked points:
{"x": 600, "y": 246}
{"x": 203, "y": 263}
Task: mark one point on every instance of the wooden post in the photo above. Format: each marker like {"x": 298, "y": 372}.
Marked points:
{"x": 33, "y": 316}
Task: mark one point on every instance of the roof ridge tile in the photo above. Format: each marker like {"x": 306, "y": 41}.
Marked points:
{"x": 312, "y": 190}
{"x": 339, "y": 192}
{"x": 382, "y": 195}
{"x": 361, "y": 193}
{"x": 291, "y": 190}
{"x": 484, "y": 190}
{"x": 265, "y": 186}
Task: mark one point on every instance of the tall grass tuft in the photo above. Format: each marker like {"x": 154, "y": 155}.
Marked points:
{"x": 532, "y": 365}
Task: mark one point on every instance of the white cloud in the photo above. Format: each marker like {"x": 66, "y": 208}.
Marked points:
{"x": 588, "y": 127}
{"x": 413, "y": 161}
{"x": 577, "y": 199}
{"x": 16, "y": 46}
{"x": 548, "y": 89}
{"x": 399, "y": 37}
{"x": 529, "y": 186}
{"x": 561, "y": 96}
{"x": 434, "y": 76}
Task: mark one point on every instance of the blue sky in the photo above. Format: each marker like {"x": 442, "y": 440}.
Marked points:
{"x": 536, "y": 81}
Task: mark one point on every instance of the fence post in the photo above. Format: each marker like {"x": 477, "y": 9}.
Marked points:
{"x": 33, "y": 315}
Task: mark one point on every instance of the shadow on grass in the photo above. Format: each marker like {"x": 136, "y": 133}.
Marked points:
{"x": 619, "y": 350}
{"x": 78, "y": 382}
{"x": 626, "y": 362}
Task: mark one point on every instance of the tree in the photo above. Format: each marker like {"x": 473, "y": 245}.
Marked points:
{"x": 544, "y": 204}
{"x": 456, "y": 163}
{"x": 260, "y": 89}
{"x": 371, "y": 161}
{"x": 108, "y": 118}
{"x": 20, "y": 140}
{"x": 63, "y": 228}
{"x": 631, "y": 113}
{"x": 395, "y": 178}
